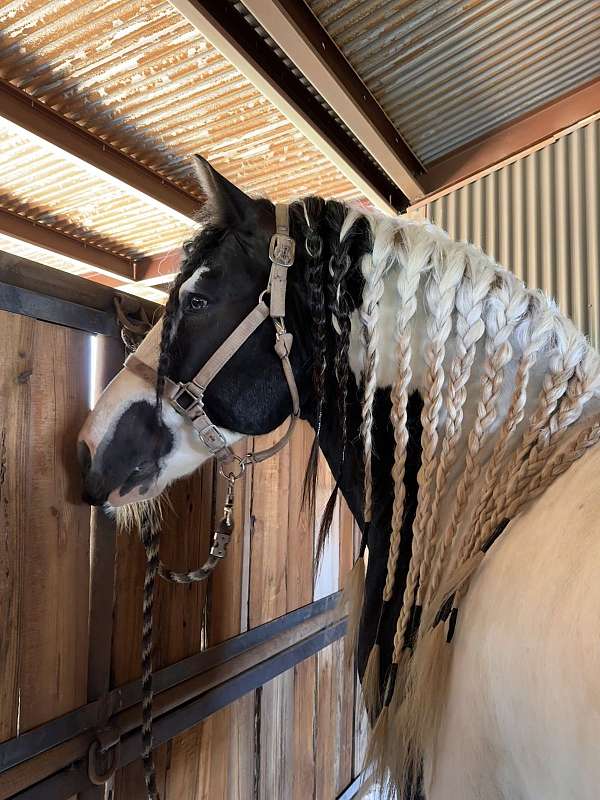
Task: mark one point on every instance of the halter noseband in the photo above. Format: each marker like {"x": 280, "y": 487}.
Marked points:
{"x": 187, "y": 398}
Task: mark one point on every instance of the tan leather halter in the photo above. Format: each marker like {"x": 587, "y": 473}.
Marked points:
{"x": 187, "y": 398}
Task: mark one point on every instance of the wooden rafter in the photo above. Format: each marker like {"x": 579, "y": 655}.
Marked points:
{"x": 42, "y": 121}
{"x": 298, "y": 32}
{"x": 515, "y": 139}
{"x": 237, "y": 40}
{"x": 65, "y": 245}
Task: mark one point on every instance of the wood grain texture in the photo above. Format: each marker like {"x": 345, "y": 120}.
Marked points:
{"x": 179, "y": 609}
{"x": 44, "y": 528}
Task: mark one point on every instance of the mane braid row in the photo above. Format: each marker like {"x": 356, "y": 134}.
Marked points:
{"x": 498, "y": 453}
{"x": 407, "y": 285}
{"x": 470, "y": 297}
{"x": 373, "y": 269}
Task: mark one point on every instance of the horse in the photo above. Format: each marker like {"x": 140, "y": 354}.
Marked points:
{"x": 458, "y": 413}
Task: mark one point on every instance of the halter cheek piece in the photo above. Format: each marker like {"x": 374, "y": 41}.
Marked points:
{"x": 187, "y": 398}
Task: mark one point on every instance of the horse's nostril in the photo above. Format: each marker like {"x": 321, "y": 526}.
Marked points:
{"x": 93, "y": 496}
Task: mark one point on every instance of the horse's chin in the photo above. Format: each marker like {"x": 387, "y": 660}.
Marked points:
{"x": 134, "y": 497}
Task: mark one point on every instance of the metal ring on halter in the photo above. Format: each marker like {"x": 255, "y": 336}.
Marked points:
{"x": 233, "y": 476}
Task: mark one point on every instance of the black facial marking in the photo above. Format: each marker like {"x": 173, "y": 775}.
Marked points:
{"x": 131, "y": 457}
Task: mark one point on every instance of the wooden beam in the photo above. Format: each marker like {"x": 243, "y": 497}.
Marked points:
{"x": 158, "y": 269}
{"x": 26, "y": 274}
{"x": 236, "y": 39}
{"x": 63, "y": 244}
{"x": 292, "y": 24}
{"x": 515, "y": 139}
{"x": 28, "y": 113}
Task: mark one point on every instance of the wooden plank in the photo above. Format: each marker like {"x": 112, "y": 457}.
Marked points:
{"x": 44, "y": 381}
{"x": 281, "y": 579}
{"x": 179, "y": 609}
{"x": 27, "y": 274}
{"x": 103, "y": 533}
{"x": 304, "y": 722}
{"x": 276, "y": 738}
{"x": 269, "y": 515}
{"x": 215, "y": 759}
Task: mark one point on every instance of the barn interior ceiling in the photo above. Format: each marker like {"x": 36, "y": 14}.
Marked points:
{"x": 102, "y": 104}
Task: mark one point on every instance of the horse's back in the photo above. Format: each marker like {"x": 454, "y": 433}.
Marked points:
{"x": 523, "y": 714}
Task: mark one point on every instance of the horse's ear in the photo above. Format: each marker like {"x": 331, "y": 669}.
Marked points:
{"x": 227, "y": 203}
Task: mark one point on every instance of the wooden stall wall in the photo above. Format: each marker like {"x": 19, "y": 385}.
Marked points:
{"x": 71, "y": 591}
{"x": 294, "y": 737}
{"x": 44, "y": 528}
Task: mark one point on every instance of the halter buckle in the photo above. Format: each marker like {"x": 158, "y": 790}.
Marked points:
{"x": 282, "y": 250}
{"x": 211, "y": 437}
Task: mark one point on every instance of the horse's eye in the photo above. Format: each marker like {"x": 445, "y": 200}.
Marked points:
{"x": 196, "y": 302}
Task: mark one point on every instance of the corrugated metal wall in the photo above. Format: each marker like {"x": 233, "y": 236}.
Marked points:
{"x": 540, "y": 217}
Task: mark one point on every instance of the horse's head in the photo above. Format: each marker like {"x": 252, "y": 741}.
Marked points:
{"x": 131, "y": 446}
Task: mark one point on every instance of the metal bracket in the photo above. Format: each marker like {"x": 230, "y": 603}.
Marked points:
{"x": 103, "y": 756}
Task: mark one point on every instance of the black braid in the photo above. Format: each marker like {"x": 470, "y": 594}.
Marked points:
{"x": 315, "y": 277}
{"x": 340, "y": 265}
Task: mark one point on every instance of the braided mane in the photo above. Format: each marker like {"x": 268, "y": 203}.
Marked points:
{"x": 505, "y": 380}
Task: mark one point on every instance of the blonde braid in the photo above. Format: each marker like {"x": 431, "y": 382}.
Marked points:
{"x": 440, "y": 297}
{"x": 539, "y": 328}
{"x": 469, "y": 330}
{"x": 560, "y": 462}
{"x": 374, "y": 266}
{"x": 570, "y": 346}
{"x": 580, "y": 389}
{"x": 408, "y": 282}
{"x": 506, "y": 305}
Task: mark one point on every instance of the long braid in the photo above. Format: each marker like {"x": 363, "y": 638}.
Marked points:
{"x": 340, "y": 265}
{"x": 470, "y": 327}
{"x": 570, "y": 347}
{"x": 506, "y": 304}
{"x": 539, "y": 327}
{"x": 312, "y": 209}
{"x": 416, "y": 260}
{"x": 440, "y": 294}
{"x": 373, "y": 267}
{"x": 558, "y": 464}
{"x": 580, "y": 389}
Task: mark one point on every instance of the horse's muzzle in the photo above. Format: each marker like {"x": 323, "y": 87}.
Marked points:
{"x": 94, "y": 492}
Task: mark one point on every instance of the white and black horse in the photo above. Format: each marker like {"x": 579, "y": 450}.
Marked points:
{"x": 521, "y": 719}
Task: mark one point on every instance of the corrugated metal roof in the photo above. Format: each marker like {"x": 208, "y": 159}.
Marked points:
{"x": 138, "y": 74}
{"x": 448, "y": 72}
{"x": 40, "y": 183}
